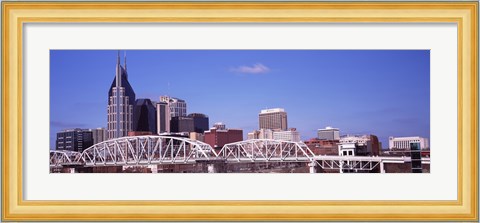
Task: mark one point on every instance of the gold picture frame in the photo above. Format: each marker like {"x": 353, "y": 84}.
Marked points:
{"x": 16, "y": 14}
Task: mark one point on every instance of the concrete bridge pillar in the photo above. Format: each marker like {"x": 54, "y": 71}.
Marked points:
{"x": 153, "y": 168}
{"x": 216, "y": 166}
{"x": 313, "y": 167}
{"x": 211, "y": 168}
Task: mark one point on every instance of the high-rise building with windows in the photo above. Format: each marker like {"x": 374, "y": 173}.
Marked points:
{"x": 181, "y": 124}
{"x": 144, "y": 116}
{"x": 74, "y": 140}
{"x": 121, "y": 99}
{"x": 178, "y": 107}
{"x": 99, "y": 135}
{"x": 200, "y": 122}
{"x": 275, "y": 118}
{"x": 163, "y": 117}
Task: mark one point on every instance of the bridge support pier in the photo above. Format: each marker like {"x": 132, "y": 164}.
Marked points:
{"x": 382, "y": 167}
{"x": 313, "y": 167}
{"x": 153, "y": 168}
{"x": 211, "y": 168}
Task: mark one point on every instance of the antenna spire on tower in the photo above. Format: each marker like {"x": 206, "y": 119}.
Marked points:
{"x": 118, "y": 57}
{"x": 125, "y": 59}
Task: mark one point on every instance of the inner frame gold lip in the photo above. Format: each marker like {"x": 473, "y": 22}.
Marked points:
{"x": 16, "y": 14}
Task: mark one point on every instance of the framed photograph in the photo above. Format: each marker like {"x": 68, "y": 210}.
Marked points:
{"x": 242, "y": 111}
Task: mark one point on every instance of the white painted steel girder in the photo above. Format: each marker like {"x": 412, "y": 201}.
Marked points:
{"x": 148, "y": 150}
{"x": 139, "y": 150}
{"x": 60, "y": 157}
{"x": 264, "y": 150}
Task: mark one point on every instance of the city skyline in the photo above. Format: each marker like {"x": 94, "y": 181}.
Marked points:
{"x": 359, "y": 92}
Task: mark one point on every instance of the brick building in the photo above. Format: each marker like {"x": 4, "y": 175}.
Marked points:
{"x": 217, "y": 138}
{"x": 323, "y": 147}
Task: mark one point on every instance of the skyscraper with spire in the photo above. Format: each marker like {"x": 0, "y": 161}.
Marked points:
{"x": 121, "y": 99}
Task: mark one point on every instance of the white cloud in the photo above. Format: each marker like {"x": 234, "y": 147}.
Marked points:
{"x": 255, "y": 69}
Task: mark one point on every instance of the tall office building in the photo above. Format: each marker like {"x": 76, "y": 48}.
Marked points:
{"x": 275, "y": 118}
{"x": 144, "y": 116}
{"x": 178, "y": 107}
{"x": 163, "y": 117}
{"x": 328, "y": 133}
{"x": 74, "y": 140}
{"x": 99, "y": 135}
{"x": 200, "y": 122}
{"x": 121, "y": 99}
{"x": 181, "y": 124}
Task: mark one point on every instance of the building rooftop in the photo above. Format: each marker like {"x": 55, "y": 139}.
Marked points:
{"x": 197, "y": 115}
{"x": 272, "y": 110}
{"x": 348, "y": 146}
{"x": 355, "y": 136}
{"x": 405, "y": 137}
{"x": 329, "y": 128}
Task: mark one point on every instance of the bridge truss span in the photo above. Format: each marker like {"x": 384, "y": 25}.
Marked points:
{"x": 159, "y": 150}
{"x": 345, "y": 165}
{"x": 146, "y": 150}
{"x": 266, "y": 150}
{"x": 60, "y": 157}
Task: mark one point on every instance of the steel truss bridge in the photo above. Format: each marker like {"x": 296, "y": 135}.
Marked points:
{"x": 155, "y": 150}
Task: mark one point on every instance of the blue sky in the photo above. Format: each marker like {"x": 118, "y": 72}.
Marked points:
{"x": 380, "y": 92}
